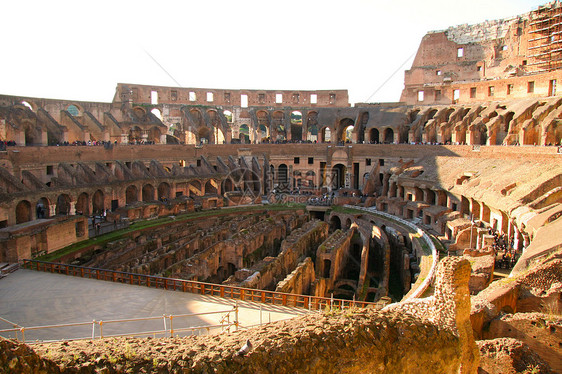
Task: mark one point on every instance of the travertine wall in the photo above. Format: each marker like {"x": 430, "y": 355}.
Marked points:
{"x": 504, "y": 59}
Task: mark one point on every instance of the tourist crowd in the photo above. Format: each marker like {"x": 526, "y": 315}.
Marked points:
{"x": 506, "y": 255}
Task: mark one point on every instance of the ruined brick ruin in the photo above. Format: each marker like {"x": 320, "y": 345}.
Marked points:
{"x": 401, "y": 204}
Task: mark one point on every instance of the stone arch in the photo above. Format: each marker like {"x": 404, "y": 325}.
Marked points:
{"x": 154, "y": 135}
{"x": 335, "y": 223}
{"x": 374, "y": 136}
{"x": 63, "y": 204}
{"x": 74, "y": 110}
{"x": 430, "y": 196}
{"x": 204, "y": 135}
{"x": 131, "y": 194}
{"x": 196, "y": 117}
{"x": 32, "y": 133}
{"x": 312, "y": 126}
{"x": 29, "y": 105}
{"x": 139, "y": 112}
{"x": 338, "y": 176}
{"x": 553, "y": 134}
{"x": 244, "y": 134}
{"x": 227, "y": 185}
{"x": 98, "y": 202}
{"x": 263, "y": 131}
{"x": 210, "y": 189}
{"x": 345, "y": 130}
{"x": 388, "y": 135}
{"x": 326, "y": 135}
{"x": 283, "y": 177}
{"x": 148, "y": 192}
{"x": 164, "y": 191}
{"x": 296, "y": 125}
{"x": 42, "y": 208}
{"x": 83, "y": 204}
{"x": 157, "y": 113}
{"x": 263, "y": 123}
{"x": 228, "y": 115}
{"x": 23, "y": 212}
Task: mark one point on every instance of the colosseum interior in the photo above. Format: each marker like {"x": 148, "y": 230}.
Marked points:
{"x": 440, "y": 213}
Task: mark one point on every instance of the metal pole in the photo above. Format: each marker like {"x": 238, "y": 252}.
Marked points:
{"x": 260, "y": 314}
{"x": 93, "y": 329}
{"x": 236, "y": 315}
{"x": 165, "y": 328}
{"x": 471, "y": 225}
{"x": 171, "y": 326}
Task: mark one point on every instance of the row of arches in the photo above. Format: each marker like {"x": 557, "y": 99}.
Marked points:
{"x": 96, "y": 202}
{"x": 284, "y": 178}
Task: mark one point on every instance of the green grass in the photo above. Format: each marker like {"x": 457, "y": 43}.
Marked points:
{"x": 146, "y": 224}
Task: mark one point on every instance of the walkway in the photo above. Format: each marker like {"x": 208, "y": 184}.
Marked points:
{"x": 33, "y": 298}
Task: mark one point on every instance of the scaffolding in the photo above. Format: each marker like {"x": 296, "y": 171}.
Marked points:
{"x": 545, "y": 43}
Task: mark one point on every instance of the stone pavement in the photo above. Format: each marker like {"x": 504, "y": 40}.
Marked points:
{"x": 31, "y": 298}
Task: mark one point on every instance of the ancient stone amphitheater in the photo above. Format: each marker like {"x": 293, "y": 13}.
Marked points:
{"x": 434, "y": 223}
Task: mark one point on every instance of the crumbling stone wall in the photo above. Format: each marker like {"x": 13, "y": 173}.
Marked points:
{"x": 448, "y": 307}
{"x": 482, "y": 263}
{"x": 29, "y": 242}
{"x": 334, "y": 250}
{"x": 541, "y": 332}
{"x": 198, "y": 249}
{"x": 300, "y": 279}
{"x": 508, "y": 355}
{"x": 345, "y": 341}
{"x": 299, "y": 244}
{"x": 526, "y": 292}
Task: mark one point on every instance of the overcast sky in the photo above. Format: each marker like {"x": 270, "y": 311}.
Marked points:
{"x": 80, "y": 50}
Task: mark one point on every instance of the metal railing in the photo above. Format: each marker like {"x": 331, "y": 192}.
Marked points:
{"x": 200, "y": 288}
{"x": 225, "y": 323}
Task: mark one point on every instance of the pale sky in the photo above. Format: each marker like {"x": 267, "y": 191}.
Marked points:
{"x": 80, "y": 50}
